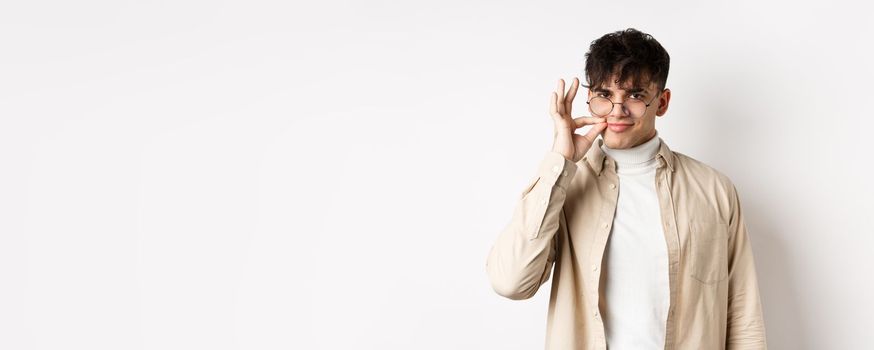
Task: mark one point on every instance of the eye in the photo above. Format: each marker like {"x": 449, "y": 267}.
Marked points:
{"x": 639, "y": 96}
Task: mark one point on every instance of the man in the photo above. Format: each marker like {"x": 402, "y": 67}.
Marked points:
{"x": 649, "y": 245}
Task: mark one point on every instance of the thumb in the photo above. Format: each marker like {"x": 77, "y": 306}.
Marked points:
{"x": 585, "y": 141}
{"x": 593, "y": 132}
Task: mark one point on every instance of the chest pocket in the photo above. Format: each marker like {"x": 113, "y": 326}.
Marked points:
{"x": 708, "y": 256}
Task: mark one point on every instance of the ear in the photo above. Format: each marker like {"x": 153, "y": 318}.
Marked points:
{"x": 664, "y": 99}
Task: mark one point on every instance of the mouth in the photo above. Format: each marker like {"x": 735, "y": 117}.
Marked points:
{"x": 618, "y": 127}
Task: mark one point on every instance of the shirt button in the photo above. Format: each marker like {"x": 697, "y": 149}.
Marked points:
{"x": 544, "y": 201}
{"x": 612, "y": 186}
{"x": 556, "y": 169}
{"x": 605, "y": 225}
{"x": 595, "y": 313}
{"x": 564, "y": 173}
{"x": 594, "y": 267}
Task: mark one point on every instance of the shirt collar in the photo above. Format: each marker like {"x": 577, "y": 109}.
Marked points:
{"x": 596, "y": 157}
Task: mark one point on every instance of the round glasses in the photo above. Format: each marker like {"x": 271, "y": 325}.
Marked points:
{"x": 601, "y": 106}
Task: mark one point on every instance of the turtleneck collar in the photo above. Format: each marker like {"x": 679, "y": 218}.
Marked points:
{"x": 641, "y": 153}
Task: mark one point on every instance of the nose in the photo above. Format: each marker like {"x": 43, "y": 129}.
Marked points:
{"x": 618, "y": 110}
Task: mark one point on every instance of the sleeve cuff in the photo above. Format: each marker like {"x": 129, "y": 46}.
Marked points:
{"x": 556, "y": 170}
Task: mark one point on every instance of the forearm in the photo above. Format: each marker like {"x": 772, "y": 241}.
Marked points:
{"x": 521, "y": 258}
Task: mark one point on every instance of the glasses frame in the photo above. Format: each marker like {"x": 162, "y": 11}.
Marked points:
{"x": 620, "y": 103}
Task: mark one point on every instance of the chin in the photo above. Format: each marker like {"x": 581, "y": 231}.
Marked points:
{"x": 613, "y": 141}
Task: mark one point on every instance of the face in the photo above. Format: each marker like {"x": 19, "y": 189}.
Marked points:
{"x": 623, "y": 129}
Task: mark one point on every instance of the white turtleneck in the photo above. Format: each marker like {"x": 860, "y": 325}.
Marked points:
{"x": 635, "y": 293}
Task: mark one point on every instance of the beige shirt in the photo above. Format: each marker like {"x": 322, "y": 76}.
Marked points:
{"x": 563, "y": 218}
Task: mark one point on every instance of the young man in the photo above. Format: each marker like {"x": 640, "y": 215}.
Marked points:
{"x": 649, "y": 245}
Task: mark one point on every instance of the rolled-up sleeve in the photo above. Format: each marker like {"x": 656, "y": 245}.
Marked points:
{"x": 521, "y": 258}
{"x": 745, "y": 324}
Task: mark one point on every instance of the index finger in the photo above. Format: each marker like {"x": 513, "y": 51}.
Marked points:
{"x": 583, "y": 121}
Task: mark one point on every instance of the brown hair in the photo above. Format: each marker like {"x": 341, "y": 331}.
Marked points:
{"x": 629, "y": 53}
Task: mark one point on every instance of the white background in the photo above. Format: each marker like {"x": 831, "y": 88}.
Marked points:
{"x": 331, "y": 175}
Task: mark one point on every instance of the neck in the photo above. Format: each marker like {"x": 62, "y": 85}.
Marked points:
{"x": 641, "y": 153}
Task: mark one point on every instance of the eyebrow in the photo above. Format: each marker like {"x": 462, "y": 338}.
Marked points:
{"x": 630, "y": 91}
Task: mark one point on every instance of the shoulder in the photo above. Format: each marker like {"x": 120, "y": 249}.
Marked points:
{"x": 701, "y": 171}
{"x": 710, "y": 191}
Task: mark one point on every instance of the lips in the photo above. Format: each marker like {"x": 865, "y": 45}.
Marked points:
{"x": 617, "y": 127}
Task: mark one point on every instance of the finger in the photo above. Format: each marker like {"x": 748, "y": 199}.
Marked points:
{"x": 553, "y": 109}
{"x": 595, "y": 130}
{"x": 583, "y": 121}
{"x": 572, "y": 92}
{"x": 560, "y": 91}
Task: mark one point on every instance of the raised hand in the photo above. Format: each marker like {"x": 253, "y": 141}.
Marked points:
{"x": 566, "y": 141}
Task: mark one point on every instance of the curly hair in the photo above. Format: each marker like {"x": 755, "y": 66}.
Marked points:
{"x": 628, "y": 53}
